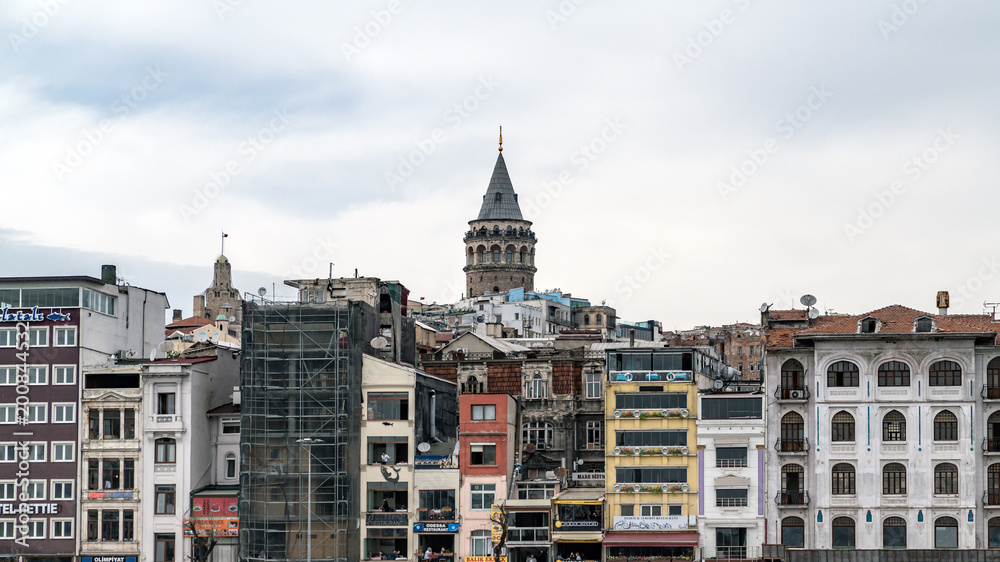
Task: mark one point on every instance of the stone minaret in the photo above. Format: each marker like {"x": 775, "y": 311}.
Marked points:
{"x": 499, "y": 246}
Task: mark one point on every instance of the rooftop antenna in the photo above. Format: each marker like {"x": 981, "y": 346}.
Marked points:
{"x": 992, "y": 306}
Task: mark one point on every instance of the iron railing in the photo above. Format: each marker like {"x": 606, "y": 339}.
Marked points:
{"x": 792, "y": 445}
{"x": 991, "y": 444}
{"x": 990, "y": 392}
{"x": 792, "y": 392}
{"x": 792, "y": 498}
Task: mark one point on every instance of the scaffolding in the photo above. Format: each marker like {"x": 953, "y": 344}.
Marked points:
{"x": 300, "y": 423}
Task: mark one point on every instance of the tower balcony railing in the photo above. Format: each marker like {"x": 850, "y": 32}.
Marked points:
{"x": 990, "y": 392}
{"x": 795, "y": 446}
{"x": 792, "y": 498}
{"x": 792, "y": 393}
{"x": 519, "y": 234}
{"x": 991, "y": 444}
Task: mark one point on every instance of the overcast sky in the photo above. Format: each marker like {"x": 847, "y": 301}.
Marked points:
{"x": 684, "y": 161}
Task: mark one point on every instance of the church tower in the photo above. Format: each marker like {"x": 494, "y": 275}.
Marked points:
{"x": 499, "y": 246}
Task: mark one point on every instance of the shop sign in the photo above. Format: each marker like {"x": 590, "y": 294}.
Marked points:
{"x": 29, "y": 509}
{"x": 107, "y": 559}
{"x": 388, "y": 519}
{"x": 435, "y": 527}
{"x": 6, "y": 315}
{"x": 212, "y": 526}
{"x": 484, "y": 559}
{"x": 664, "y": 523}
{"x": 109, "y": 496}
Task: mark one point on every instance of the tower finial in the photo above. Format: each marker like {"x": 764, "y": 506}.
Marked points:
{"x": 501, "y": 138}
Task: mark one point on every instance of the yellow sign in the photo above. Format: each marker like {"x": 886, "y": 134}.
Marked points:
{"x": 497, "y": 530}
{"x": 484, "y": 559}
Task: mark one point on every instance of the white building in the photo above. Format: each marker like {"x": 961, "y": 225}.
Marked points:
{"x": 877, "y": 429}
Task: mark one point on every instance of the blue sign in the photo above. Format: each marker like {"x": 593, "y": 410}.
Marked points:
{"x": 31, "y": 316}
{"x": 435, "y": 527}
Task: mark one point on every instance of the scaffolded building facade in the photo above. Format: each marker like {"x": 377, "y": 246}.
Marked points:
{"x": 300, "y": 429}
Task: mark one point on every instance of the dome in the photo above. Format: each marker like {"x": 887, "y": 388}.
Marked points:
{"x": 221, "y": 317}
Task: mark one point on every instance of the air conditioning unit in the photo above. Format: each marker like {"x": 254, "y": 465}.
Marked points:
{"x": 796, "y": 394}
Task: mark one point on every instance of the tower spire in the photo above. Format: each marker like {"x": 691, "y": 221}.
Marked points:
{"x": 501, "y": 138}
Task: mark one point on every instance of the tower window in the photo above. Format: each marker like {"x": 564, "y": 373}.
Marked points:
{"x": 499, "y": 196}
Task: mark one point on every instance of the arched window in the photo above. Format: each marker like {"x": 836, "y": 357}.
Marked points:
{"x": 843, "y": 532}
{"x": 472, "y": 385}
{"x": 586, "y": 320}
{"x": 792, "y": 485}
{"x": 945, "y": 427}
{"x": 496, "y": 228}
{"x": 894, "y": 532}
{"x": 993, "y": 484}
{"x": 894, "y": 373}
{"x": 894, "y": 479}
{"x": 166, "y": 450}
{"x": 843, "y": 479}
{"x": 993, "y": 378}
{"x": 539, "y": 433}
{"x": 843, "y": 426}
{"x": 509, "y": 256}
{"x": 945, "y": 479}
{"x": 536, "y": 387}
{"x": 470, "y": 258}
{"x": 510, "y": 230}
{"x": 792, "y": 432}
{"x": 993, "y": 432}
{"x": 946, "y": 532}
{"x": 792, "y": 378}
{"x": 842, "y": 373}
{"x": 496, "y": 255}
{"x": 598, "y": 320}
{"x": 993, "y": 529}
{"x": 485, "y": 257}
{"x": 945, "y": 373}
{"x": 793, "y": 532}
{"x": 894, "y": 427}
{"x": 231, "y": 465}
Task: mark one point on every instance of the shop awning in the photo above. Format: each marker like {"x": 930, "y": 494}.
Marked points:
{"x": 651, "y": 539}
{"x": 596, "y": 536}
{"x": 585, "y": 497}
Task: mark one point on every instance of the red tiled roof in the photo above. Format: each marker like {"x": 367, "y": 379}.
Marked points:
{"x": 192, "y": 322}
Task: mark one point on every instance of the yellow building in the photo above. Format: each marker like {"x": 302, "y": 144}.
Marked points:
{"x": 651, "y": 400}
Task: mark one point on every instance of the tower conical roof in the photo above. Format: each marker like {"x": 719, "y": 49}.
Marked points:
{"x": 500, "y": 201}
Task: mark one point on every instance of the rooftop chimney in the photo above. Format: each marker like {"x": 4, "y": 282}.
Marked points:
{"x": 942, "y": 302}
{"x": 109, "y": 274}
{"x": 177, "y": 315}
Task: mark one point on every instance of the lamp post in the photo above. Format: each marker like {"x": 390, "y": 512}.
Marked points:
{"x": 309, "y": 442}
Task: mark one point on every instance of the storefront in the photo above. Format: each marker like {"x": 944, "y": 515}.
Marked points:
{"x": 578, "y": 524}
{"x": 649, "y": 545}
{"x": 439, "y": 538}
{"x": 214, "y": 514}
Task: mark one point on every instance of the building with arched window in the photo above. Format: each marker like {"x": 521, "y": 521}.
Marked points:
{"x": 883, "y": 429}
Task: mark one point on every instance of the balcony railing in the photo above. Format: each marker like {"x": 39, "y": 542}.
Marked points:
{"x": 792, "y": 498}
{"x": 444, "y": 514}
{"x": 991, "y": 497}
{"x": 654, "y": 376}
{"x": 991, "y": 444}
{"x": 532, "y": 534}
{"x": 792, "y": 393}
{"x": 792, "y": 445}
{"x": 990, "y": 392}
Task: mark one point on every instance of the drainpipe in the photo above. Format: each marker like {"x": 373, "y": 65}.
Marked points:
{"x": 434, "y": 416}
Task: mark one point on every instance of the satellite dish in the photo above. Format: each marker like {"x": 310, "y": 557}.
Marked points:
{"x": 152, "y": 354}
{"x": 764, "y": 307}
{"x": 215, "y": 337}
{"x": 529, "y": 448}
{"x": 131, "y": 354}
{"x": 379, "y": 342}
{"x": 262, "y": 291}
{"x": 717, "y": 384}
{"x": 424, "y": 447}
{"x": 480, "y": 318}
{"x": 560, "y": 471}
{"x": 813, "y": 313}
{"x": 807, "y": 300}
{"x": 202, "y": 336}
{"x": 165, "y": 346}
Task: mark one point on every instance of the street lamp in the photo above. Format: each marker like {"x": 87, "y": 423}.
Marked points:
{"x": 309, "y": 442}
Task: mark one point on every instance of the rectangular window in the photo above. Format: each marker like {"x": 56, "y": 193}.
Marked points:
{"x": 112, "y": 424}
{"x": 8, "y": 337}
{"x": 483, "y": 495}
{"x": 62, "y": 528}
{"x": 63, "y": 452}
{"x": 112, "y": 474}
{"x": 166, "y": 451}
{"x": 675, "y": 509}
{"x": 594, "y": 436}
{"x": 36, "y": 452}
{"x": 93, "y": 525}
{"x": 109, "y": 525}
{"x": 731, "y": 408}
{"x": 64, "y": 374}
{"x": 129, "y": 424}
{"x": 164, "y": 498}
{"x": 650, "y": 510}
{"x": 230, "y": 427}
{"x": 128, "y": 474}
{"x": 93, "y": 474}
{"x": 7, "y": 492}
{"x": 730, "y": 497}
{"x": 8, "y": 413}
{"x": 10, "y": 298}
{"x": 94, "y": 424}
{"x": 38, "y": 337}
{"x": 65, "y": 337}
{"x": 49, "y": 297}
{"x": 388, "y": 450}
{"x": 483, "y": 454}
{"x": 484, "y": 412}
{"x": 7, "y": 453}
{"x": 63, "y": 413}
{"x": 595, "y": 385}
{"x": 99, "y": 302}
{"x": 651, "y": 401}
{"x": 38, "y": 374}
{"x": 128, "y": 525}
{"x": 651, "y": 438}
{"x": 38, "y": 413}
{"x": 652, "y": 475}
{"x": 437, "y": 505}
{"x": 36, "y": 529}
{"x": 8, "y": 376}
{"x": 164, "y": 549}
{"x": 62, "y": 490}
{"x": 627, "y": 510}
{"x": 6, "y": 528}
{"x": 165, "y": 403}
{"x": 730, "y": 457}
{"x": 34, "y": 489}
{"x": 388, "y": 406}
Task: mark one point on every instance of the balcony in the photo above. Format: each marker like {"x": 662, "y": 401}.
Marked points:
{"x": 991, "y": 498}
{"x": 792, "y": 446}
{"x": 443, "y": 514}
{"x": 651, "y": 376}
{"x": 990, "y": 392}
{"x": 528, "y": 534}
{"x": 792, "y": 393}
{"x": 792, "y": 499}
{"x": 991, "y": 445}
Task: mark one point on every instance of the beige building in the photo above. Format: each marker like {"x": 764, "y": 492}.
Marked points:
{"x": 220, "y": 298}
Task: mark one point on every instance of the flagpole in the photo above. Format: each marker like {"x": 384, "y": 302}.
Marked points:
{"x": 223, "y": 243}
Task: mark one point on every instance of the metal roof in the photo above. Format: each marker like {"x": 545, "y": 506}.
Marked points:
{"x": 500, "y": 201}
